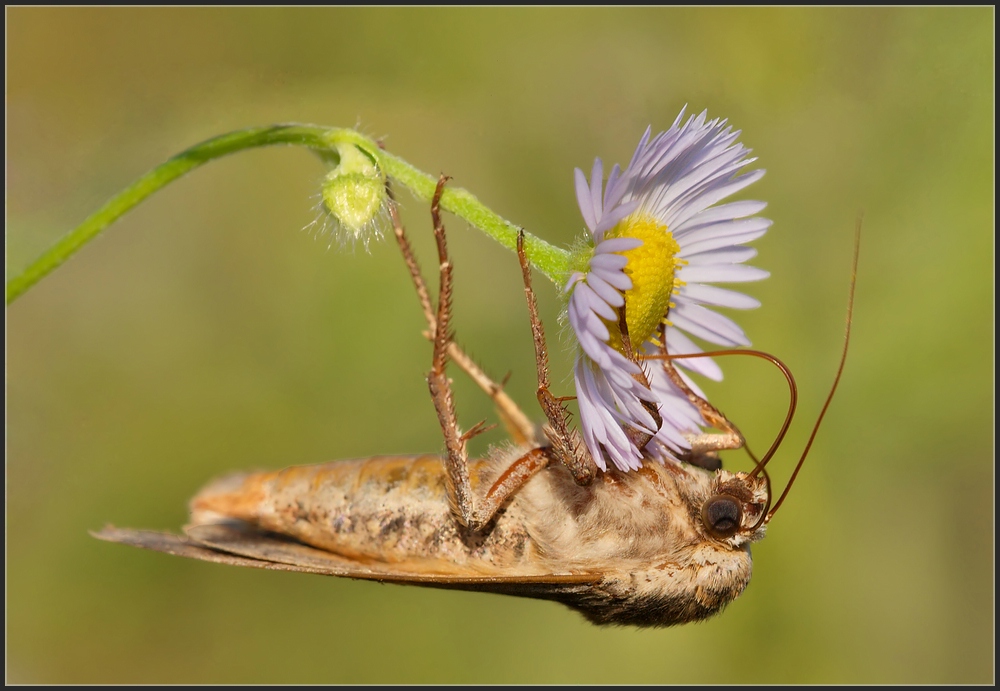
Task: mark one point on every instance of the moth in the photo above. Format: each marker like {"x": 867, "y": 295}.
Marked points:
{"x": 665, "y": 545}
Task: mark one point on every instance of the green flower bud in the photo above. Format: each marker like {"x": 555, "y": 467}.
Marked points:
{"x": 354, "y": 195}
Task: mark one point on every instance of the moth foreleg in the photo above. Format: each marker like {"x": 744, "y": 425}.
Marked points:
{"x": 708, "y": 443}
{"x": 460, "y": 495}
{"x": 564, "y": 445}
{"x": 520, "y": 426}
{"x": 635, "y": 435}
{"x": 459, "y": 487}
{"x": 703, "y": 446}
{"x": 704, "y": 451}
{"x": 511, "y": 480}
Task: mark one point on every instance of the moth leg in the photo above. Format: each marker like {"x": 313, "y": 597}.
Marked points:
{"x": 730, "y": 438}
{"x": 460, "y": 495}
{"x": 704, "y": 447}
{"x": 565, "y": 447}
{"x": 637, "y": 436}
{"x": 518, "y": 424}
{"x": 511, "y": 480}
{"x": 459, "y": 487}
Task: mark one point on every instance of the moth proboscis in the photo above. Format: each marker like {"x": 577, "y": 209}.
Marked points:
{"x": 664, "y": 545}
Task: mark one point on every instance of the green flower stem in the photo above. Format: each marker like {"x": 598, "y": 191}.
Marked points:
{"x": 550, "y": 260}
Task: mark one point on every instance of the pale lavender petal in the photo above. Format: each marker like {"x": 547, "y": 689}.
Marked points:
{"x": 596, "y": 302}
{"x": 719, "y": 194}
{"x": 617, "y": 245}
{"x": 639, "y": 150}
{"x": 716, "y": 167}
{"x": 693, "y": 386}
{"x": 681, "y": 203}
{"x": 722, "y": 235}
{"x": 593, "y": 344}
{"x": 723, "y": 255}
{"x": 612, "y": 190}
{"x": 680, "y": 344}
{"x": 617, "y": 279}
{"x": 583, "y": 199}
{"x": 596, "y": 178}
{"x": 707, "y": 325}
{"x": 610, "y": 262}
{"x": 575, "y": 278}
{"x": 610, "y": 220}
{"x": 734, "y": 273}
{"x": 726, "y": 212}
{"x": 719, "y": 297}
{"x": 606, "y": 292}
{"x": 597, "y": 403}
{"x": 678, "y": 414}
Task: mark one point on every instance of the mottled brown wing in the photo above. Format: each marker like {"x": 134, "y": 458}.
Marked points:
{"x": 181, "y": 546}
{"x": 240, "y": 544}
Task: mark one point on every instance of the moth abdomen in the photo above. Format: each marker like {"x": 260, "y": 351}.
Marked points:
{"x": 386, "y": 509}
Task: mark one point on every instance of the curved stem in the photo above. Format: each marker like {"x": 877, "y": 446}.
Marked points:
{"x": 550, "y": 260}
{"x": 159, "y": 177}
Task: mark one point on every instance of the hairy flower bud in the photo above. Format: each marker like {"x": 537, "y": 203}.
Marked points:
{"x": 354, "y": 195}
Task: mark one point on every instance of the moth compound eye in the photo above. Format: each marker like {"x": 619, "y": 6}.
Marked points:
{"x": 722, "y": 515}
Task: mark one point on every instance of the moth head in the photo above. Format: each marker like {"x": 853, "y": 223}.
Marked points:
{"x": 733, "y": 510}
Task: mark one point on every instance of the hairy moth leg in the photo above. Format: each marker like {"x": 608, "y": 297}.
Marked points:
{"x": 704, "y": 447}
{"x": 518, "y": 424}
{"x": 637, "y": 436}
{"x": 460, "y": 495}
{"x": 565, "y": 446}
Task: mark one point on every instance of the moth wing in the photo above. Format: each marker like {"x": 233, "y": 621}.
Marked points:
{"x": 239, "y": 544}
{"x": 181, "y": 546}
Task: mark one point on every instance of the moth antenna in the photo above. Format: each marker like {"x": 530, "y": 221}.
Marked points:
{"x": 767, "y": 484}
{"x": 840, "y": 368}
{"x": 793, "y": 392}
{"x": 769, "y": 512}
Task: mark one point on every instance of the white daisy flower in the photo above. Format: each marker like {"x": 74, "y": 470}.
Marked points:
{"x": 659, "y": 241}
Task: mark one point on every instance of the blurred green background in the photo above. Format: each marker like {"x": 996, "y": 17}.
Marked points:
{"x": 206, "y": 331}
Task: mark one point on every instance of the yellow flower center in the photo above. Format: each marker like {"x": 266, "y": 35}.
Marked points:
{"x": 653, "y": 269}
